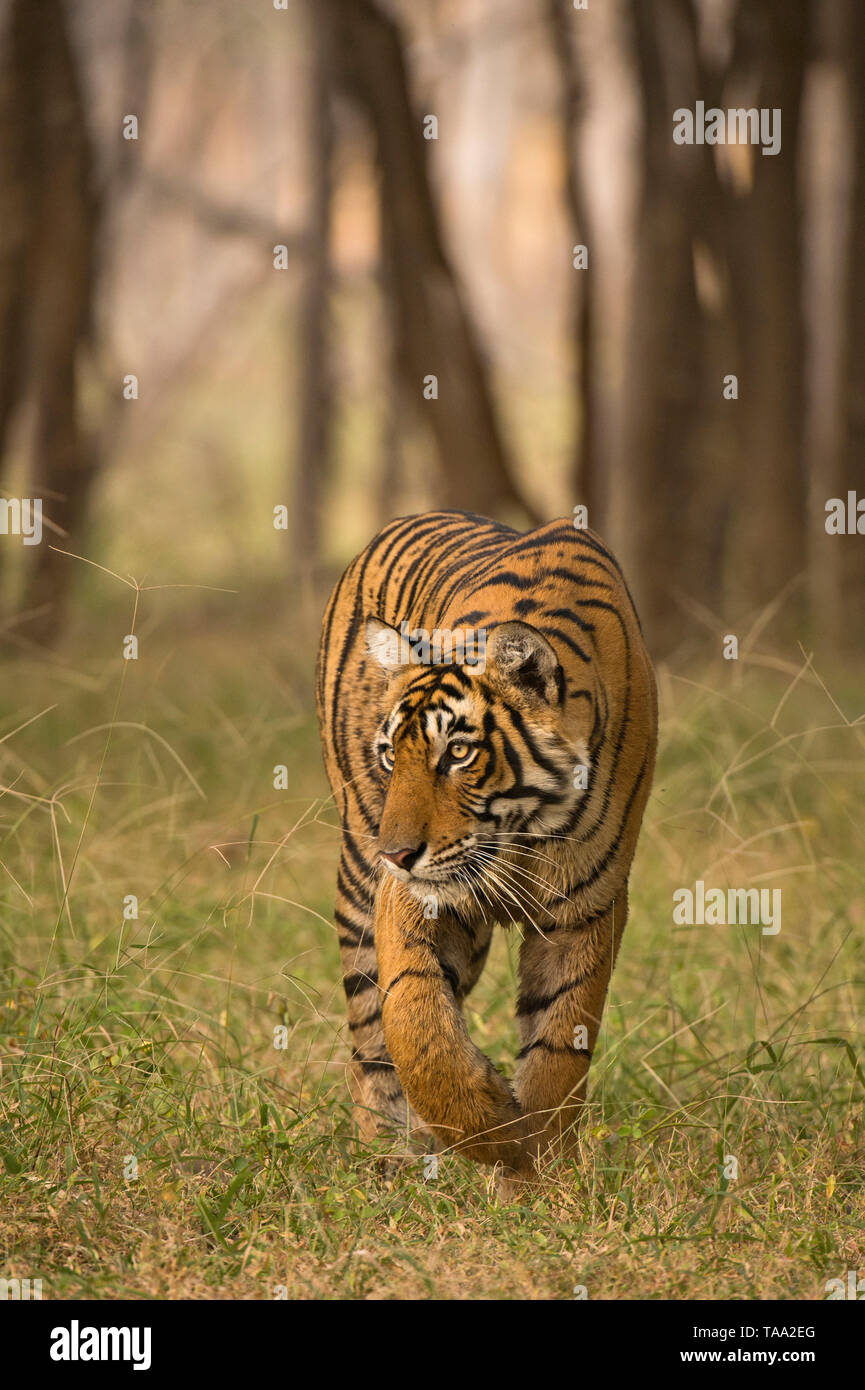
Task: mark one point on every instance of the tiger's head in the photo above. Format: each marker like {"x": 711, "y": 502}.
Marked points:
{"x": 470, "y": 757}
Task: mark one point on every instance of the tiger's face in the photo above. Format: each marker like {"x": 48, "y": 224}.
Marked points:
{"x": 472, "y": 762}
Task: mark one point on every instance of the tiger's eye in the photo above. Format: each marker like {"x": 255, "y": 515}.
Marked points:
{"x": 459, "y": 751}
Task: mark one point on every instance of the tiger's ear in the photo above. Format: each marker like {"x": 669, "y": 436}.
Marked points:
{"x": 384, "y": 645}
{"x": 524, "y": 658}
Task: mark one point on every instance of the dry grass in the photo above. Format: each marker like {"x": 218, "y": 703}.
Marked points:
{"x": 153, "y": 1037}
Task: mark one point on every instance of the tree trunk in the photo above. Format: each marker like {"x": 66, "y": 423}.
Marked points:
{"x": 315, "y": 394}
{"x": 435, "y": 336}
{"x": 19, "y": 155}
{"x": 589, "y": 475}
{"x": 669, "y": 488}
{"x": 852, "y": 548}
{"x": 829, "y": 142}
{"x": 59, "y": 290}
{"x": 768, "y": 540}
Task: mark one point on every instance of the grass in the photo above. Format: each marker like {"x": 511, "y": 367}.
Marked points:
{"x": 154, "y": 1142}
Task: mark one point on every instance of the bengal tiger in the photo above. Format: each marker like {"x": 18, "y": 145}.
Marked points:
{"x": 488, "y": 716}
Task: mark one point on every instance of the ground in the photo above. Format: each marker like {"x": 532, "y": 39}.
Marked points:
{"x": 156, "y": 1141}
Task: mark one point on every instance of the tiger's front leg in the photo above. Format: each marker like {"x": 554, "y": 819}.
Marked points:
{"x": 451, "y": 1084}
{"x": 564, "y": 976}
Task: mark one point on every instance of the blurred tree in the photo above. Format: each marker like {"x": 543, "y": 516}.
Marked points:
{"x": 767, "y": 544}
{"x": 313, "y": 459}
{"x": 853, "y": 466}
{"x": 390, "y": 479}
{"x": 589, "y": 475}
{"x": 136, "y": 66}
{"x": 828, "y": 158}
{"x": 18, "y": 150}
{"x": 46, "y": 277}
{"x": 670, "y": 493}
{"x": 435, "y": 336}
{"x": 714, "y": 489}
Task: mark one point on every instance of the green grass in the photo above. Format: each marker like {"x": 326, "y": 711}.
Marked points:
{"x": 153, "y": 1038}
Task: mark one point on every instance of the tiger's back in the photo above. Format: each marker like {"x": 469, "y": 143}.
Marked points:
{"x": 517, "y": 783}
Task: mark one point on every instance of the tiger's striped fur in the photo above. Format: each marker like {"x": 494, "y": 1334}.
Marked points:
{"x": 512, "y": 833}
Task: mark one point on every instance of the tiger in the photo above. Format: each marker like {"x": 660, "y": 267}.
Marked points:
{"x": 488, "y": 717}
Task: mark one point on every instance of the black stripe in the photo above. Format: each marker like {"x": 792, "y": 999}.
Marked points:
{"x": 359, "y": 982}
{"x": 372, "y": 1017}
{"x": 560, "y": 1048}
{"x": 532, "y": 1003}
{"x": 370, "y": 1065}
{"x": 416, "y": 974}
{"x": 451, "y": 976}
{"x": 537, "y": 756}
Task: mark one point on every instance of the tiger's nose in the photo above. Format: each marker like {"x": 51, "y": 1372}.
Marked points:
{"x": 404, "y": 858}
